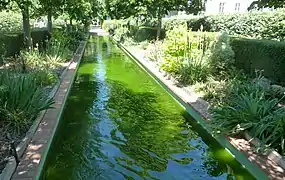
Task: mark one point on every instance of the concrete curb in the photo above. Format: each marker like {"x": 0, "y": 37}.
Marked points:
{"x": 271, "y": 154}
{"x": 9, "y": 169}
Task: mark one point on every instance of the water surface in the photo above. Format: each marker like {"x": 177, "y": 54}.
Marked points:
{"x": 120, "y": 124}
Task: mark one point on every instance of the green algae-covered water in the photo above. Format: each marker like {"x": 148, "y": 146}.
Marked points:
{"x": 119, "y": 123}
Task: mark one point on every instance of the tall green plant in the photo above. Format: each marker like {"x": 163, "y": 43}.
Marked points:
{"x": 249, "y": 109}
{"x": 21, "y": 100}
{"x": 221, "y": 56}
{"x": 185, "y": 54}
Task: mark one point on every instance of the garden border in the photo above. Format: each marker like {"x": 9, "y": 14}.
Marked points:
{"x": 24, "y": 169}
{"x": 197, "y": 112}
{"x": 11, "y": 166}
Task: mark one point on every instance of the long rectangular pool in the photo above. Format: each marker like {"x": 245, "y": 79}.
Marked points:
{"x": 119, "y": 123}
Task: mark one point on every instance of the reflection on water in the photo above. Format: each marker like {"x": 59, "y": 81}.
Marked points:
{"x": 120, "y": 124}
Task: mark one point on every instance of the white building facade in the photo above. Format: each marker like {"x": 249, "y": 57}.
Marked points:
{"x": 227, "y": 6}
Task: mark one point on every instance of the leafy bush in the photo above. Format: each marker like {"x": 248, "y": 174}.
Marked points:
{"x": 248, "y": 108}
{"x": 12, "y": 43}
{"x": 10, "y": 22}
{"x": 21, "y": 100}
{"x": 217, "y": 89}
{"x": 265, "y": 55}
{"x": 221, "y": 57}
{"x": 154, "y": 51}
{"x": 36, "y": 61}
{"x": 121, "y": 34}
{"x": 260, "y": 25}
{"x": 184, "y": 50}
{"x": 113, "y": 24}
{"x": 45, "y": 78}
{"x": 147, "y": 33}
{"x": 194, "y": 70}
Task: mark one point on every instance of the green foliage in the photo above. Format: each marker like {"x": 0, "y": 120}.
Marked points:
{"x": 121, "y": 34}
{"x": 68, "y": 39}
{"x": 267, "y": 3}
{"x": 221, "y": 56}
{"x": 147, "y": 33}
{"x": 249, "y": 109}
{"x": 194, "y": 70}
{"x": 155, "y": 51}
{"x": 12, "y": 43}
{"x": 45, "y": 78}
{"x": 112, "y": 24}
{"x": 217, "y": 89}
{"x": 260, "y": 25}
{"x": 265, "y": 55}
{"x": 21, "y": 101}
{"x": 185, "y": 54}
{"x": 10, "y": 22}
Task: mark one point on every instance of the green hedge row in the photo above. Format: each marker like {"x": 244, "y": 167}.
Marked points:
{"x": 11, "y": 44}
{"x": 10, "y": 22}
{"x": 259, "y": 25}
{"x": 147, "y": 33}
{"x": 266, "y": 55}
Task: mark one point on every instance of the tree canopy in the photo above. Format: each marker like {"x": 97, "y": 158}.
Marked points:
{"x": 267, "y": 3}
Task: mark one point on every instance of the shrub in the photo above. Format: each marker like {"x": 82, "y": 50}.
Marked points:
{"x": 194, "y": 70}
{"x": 20, "y": 102}
{"x": 265, "y": 55}
{"x": 147, "y": 33}
{"x": 10, "y": 22}
{"x": 221, "y": 56}
{"x": 121, "y": 34}
{"x": 12, "y": 43}
{"x": 155, "y": 51}
{"x": 44, "y": 78}
{"x": 260, "y": 25}
{"x": 248, "y": 109}
{"x": 113, "y": 24}
{"x": 184, "y": 49}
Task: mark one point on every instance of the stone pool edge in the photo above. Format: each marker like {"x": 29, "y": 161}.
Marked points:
{"x": 197, "y": 113}
{"x": 32, "y": 162}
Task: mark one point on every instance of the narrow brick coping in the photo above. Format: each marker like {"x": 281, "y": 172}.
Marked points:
{"x": 273, "y": 160}
{"x": 34, "y": 156}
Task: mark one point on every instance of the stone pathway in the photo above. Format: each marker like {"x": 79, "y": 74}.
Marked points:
{"x": 31, "y": 163}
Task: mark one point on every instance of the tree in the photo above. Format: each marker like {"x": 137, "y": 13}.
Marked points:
{"x": 158, "y": 9}
{"x": 195, "y": 6}
{"x": 267, "y": 3}
{"x": 24, "y": 6}
{"x": 49, "y": 8}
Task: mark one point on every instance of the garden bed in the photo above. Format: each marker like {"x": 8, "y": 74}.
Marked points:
{"x": 271, "y": 162}
{"x": 28, "y": 84}
{"x": 32, "y": 162}
{"x": 10, "y": 160}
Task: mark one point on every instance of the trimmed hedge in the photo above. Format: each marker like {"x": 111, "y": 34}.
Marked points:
{"x": 259, "y": 25}
{"x": 266, "y": 55}
{"x": 147, "y": 33}
{"x": 10, "y": 22}
{"x": 11, "y": 44}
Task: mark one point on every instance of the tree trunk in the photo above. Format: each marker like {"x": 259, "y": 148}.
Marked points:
{"x": 26, "y": 28}
{"x": 70, "y": 24}
{"x": 158, "y": 26}
{"x": 49, "y": 17}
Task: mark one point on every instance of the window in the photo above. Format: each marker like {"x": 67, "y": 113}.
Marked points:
{"x": 222, "y": 7}
{"x": 237, "y": 7}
